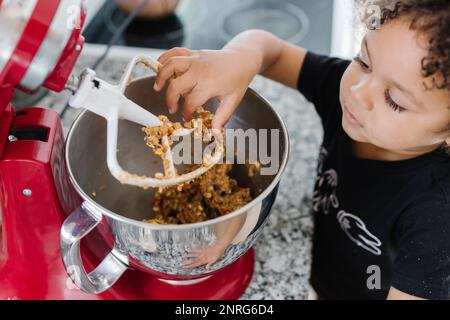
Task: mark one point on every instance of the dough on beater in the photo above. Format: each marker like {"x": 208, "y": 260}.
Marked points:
{"x": 201, "y": 125}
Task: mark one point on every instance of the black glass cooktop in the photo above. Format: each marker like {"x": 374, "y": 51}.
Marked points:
{"x": 209, "y": 24}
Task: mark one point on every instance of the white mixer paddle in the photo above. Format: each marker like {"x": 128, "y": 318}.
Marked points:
{"x": 109, "y": 101}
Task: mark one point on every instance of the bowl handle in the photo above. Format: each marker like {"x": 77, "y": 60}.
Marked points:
{"x": 77, "y": 225}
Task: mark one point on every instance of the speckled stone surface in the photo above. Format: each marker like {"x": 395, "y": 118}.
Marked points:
{"x": 283, "y": 250}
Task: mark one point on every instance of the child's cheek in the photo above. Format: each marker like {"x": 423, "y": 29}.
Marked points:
{"x": 392, "y": 134}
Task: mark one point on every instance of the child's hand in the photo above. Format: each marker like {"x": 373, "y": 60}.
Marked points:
{"x": 201, "y": 75}
{"x": 206, "y": 257}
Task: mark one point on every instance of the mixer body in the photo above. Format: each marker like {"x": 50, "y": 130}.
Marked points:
{"x": 38, "y": 48}
{"x": 35, "y": 194}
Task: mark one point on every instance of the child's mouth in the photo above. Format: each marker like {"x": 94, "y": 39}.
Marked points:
{"x": 351, "y": 118}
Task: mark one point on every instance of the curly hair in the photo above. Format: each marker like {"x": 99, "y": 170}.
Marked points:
{"x": 431, "y": 17}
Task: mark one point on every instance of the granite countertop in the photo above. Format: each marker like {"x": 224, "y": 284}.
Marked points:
{"x": 283, "y": 250}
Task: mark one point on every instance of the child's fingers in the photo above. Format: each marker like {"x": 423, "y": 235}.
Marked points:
{"x": 174, "y": 52}
{"x": 210, "y": 264}
{"x": 193, "y": 263}
{"x": 176, "y": 89}
{"x": 224, "y": 112}
{"x": 192, "y": 256}
{"x": 189, "y": 265}
{"x": 172, "y": 99}
{"x": 173, "y": 66}
{"x": 193, "y": 100}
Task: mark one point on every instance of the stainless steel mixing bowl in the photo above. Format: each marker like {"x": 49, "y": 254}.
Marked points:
{"x": 117, "y": 210}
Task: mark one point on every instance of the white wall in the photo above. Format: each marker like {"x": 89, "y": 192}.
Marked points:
{"x": 345, "y": 39}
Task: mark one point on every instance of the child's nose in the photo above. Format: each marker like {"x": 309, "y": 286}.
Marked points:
{"x": 362, "y": 93}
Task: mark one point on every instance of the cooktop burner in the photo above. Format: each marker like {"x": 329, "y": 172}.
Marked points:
{"x": 286, "y": 20}
{"x": 210, "y": 24}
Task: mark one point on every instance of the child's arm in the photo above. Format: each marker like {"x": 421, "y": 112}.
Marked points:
{"x": 209, "y": 256}
{"x": 225, "y": 74}
{"x": 395, "y": 294}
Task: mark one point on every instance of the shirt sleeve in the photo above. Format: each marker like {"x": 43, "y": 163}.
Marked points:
{"x": 319, "y": 81}
{"x": 422, "y": 264}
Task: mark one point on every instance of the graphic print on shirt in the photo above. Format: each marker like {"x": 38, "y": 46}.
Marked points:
{"x": 325, "y": 197}
{"x": 323, "y": 154}
{"x": 357, "y": 231}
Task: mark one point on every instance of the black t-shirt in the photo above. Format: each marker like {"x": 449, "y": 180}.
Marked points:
{"x": 378, "y": 224}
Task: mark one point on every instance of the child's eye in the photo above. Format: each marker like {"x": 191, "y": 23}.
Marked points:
{"x": 392, "y": 103}
{"x": 363, "y": 65}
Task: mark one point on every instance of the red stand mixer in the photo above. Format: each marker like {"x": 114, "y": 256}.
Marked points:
{"x": 40, "y": 43}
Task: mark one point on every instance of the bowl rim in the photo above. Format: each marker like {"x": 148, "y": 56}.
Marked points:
{"x": 115, "y": 216}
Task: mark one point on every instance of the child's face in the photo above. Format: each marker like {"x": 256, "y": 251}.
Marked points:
{"x": 384, "y": 91}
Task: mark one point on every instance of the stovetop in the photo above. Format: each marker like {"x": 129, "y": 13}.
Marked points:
{"x": 210, "y": 24}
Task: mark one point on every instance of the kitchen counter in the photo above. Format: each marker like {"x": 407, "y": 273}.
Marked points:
{"x": 283, "y": 251}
